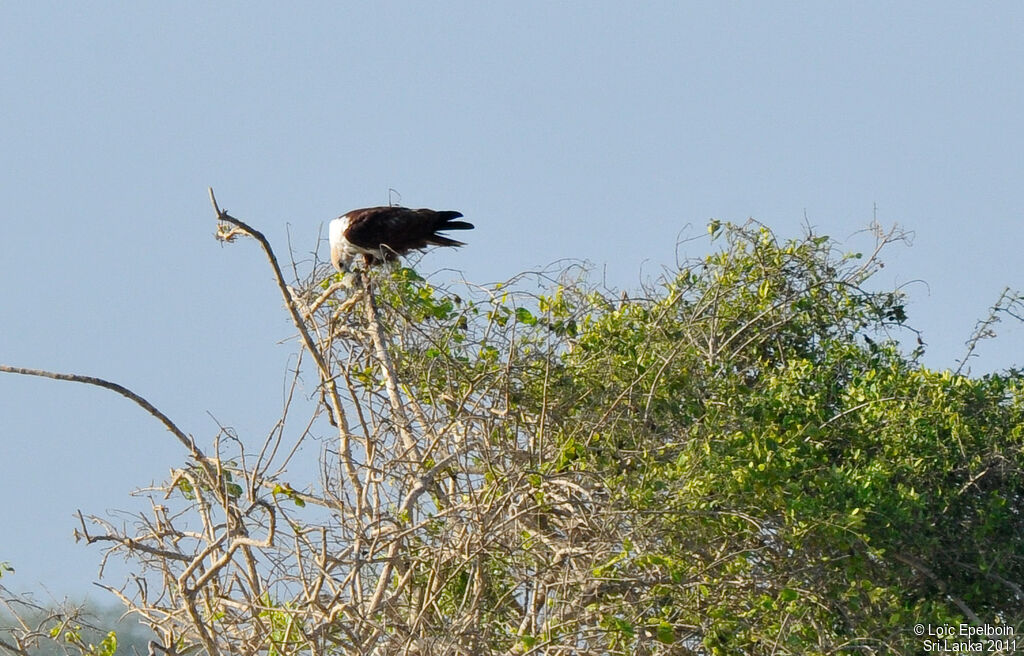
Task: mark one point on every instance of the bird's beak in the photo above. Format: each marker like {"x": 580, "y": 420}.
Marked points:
{"x": 340, "y": 264}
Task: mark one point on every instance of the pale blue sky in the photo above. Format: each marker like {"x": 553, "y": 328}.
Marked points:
{"x": 586, "y": 130}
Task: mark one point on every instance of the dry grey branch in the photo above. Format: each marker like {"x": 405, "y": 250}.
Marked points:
{"x": 186, "y": 440}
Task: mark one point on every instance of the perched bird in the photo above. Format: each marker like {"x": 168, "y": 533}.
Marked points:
{"x": 381, "y": 234}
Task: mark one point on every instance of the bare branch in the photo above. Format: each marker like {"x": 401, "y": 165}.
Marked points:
{"x": 186, "y": 440}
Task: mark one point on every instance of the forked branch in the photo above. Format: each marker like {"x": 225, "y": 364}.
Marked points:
{"x": 326, "y": 378}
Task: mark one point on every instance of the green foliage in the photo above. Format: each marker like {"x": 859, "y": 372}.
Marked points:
{"x": 286, "y": 634}
{"x": 183, "y": 483}
{"x": 783, "y": 477}
{"x": 820, "y": 487}
{"x": 72, "y": 635}
{"x": 287, "y": 490}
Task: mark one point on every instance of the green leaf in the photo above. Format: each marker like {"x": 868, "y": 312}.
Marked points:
{"x": 524, "y": 316}
{"x": 665, "y": 634}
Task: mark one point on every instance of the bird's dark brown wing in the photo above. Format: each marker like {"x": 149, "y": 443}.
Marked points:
{"x": 370, "y": 227}
{"x": 400, "y": 229}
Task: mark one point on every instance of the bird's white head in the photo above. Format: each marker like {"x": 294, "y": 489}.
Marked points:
{"x": 340, "y": 250}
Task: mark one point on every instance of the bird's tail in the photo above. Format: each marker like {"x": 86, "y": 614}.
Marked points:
{"x": 446, "y": 221}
